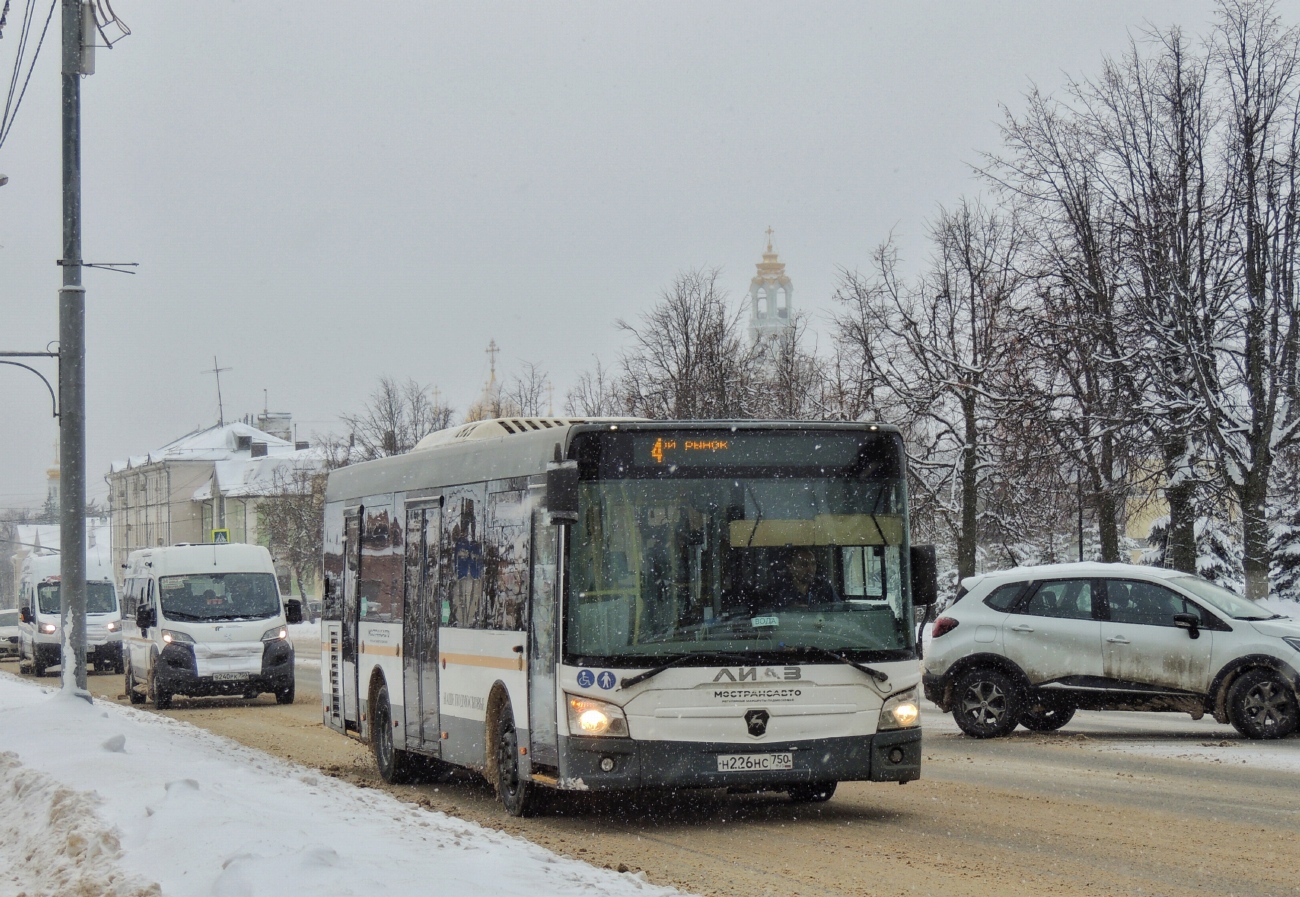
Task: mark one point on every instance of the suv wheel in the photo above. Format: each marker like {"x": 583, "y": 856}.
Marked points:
{"x": 1045, "y": 716}
{"x": 1262, "y": 705}
{"x": 986, "y": 703}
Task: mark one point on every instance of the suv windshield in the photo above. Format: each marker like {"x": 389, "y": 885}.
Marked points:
{"x": 219, "y": 596}
{"x": 101, "y": 598}
{"x": 1222, "y": 600}
{"x": 689, "y": 562}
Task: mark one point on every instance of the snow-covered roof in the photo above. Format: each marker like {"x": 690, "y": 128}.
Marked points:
{"x": 219, "y": 443}
{"x": 272, "y": 474}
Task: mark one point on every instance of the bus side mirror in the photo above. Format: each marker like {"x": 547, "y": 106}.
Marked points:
{"x": 561, "y": 492}
{"x": 293, "y": 611}
{"x": 925, "y": 576}
{"x": 25, "y": 615}
{"x": 144, "y": 618}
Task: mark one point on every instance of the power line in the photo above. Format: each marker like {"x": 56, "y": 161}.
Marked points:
{"x": 7, "y": 120}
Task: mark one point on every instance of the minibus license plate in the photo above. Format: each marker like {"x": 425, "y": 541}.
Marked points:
{"x": 229, "y": 677}
{"x": 754, "y": 762}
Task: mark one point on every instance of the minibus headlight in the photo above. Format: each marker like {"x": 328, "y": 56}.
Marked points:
{"x": 112, "y": 627}
{"x": 274, "y": 635}
{"x": 901, "y": 711}
{"x": 49, "y": 628}
{"x": 172, "y": 637}
{"x": 588, "y": 716}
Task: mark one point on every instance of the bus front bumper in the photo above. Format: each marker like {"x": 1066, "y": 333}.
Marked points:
{"x": 883, "y": 757}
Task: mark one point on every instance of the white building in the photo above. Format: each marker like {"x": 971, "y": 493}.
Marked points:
{"x": 207, "y": 480}
{"x": 771, "y": 298}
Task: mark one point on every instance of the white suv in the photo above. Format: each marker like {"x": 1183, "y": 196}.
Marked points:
{"x": 1034, "y": 644}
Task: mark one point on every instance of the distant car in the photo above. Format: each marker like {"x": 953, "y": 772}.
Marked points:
{"x": 312, "y": 610}
{"x": 8, "y": 633}
{"x": 1032, "y": 645}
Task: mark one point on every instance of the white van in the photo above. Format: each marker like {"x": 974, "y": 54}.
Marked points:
{"x": 206, "y": 620}
{"x": 39, "y": 638}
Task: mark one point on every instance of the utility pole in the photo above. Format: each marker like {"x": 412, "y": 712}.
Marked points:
{"x": 72, "y": 369}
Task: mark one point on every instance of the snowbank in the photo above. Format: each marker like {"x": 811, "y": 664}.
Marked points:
{"x": 102, "y": 799}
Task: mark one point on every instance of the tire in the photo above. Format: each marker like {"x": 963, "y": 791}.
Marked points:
{"x": 132, "y": 693}
{"x": 285, "y": 696}
{"x": 1262, "y": 705}
{"x": 518, "y": 795}
{"x": 815, "y": 793}
{"x": 1045, "y": 716}
{"x": 986, "y": 703}
{"x": 38, "y": 668}
{"x": 162, "y": 699}
{"x": 396, "y": 767}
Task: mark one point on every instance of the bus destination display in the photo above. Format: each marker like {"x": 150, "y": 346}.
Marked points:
{"x": 705, "y": 449}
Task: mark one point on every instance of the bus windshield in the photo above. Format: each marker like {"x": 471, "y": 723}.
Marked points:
{"x": 742, "y": 558}
{"x": 219, "y": 596}
{"x": 101, "y": 598}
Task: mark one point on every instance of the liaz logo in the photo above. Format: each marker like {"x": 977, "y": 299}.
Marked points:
{"x": 750, "y": 674}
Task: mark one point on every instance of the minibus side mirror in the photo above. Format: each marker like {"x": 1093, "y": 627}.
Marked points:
{"x": 144, "y": 618}
{"x": 25, "y": 615}
{"x": 925, "y": 576}
{"x": 562, "y": 492}
{"x": 293, "y": 611}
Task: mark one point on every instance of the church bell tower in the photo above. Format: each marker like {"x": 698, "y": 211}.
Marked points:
{"x": 770, "y": 298}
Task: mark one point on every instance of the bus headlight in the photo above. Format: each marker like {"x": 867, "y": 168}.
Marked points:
{"x": 172, "y": 637}
{"x": 274, "y": 635}
{"x": 588, "y": 716}
{"x": 901, "y": 711}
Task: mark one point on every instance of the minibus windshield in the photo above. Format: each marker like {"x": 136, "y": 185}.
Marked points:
{"x": 219, "y": 596}
{"x": 101, "y": 598}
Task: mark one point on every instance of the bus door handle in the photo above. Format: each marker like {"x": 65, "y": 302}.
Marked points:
{"x": 1022, "y": 628}
{"x": 518, "y": 649}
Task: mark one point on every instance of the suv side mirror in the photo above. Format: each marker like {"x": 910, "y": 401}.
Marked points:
{"x": 561, "y": 491}
{"x": 925, "y": 575}
{"x": 293, "y": 611}
{"x": 144, "y": 618}
{"x": 25, "y": 615}
{"x": 1190, "y": 623}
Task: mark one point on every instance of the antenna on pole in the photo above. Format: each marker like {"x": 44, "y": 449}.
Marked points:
{"x": 221, "y": 408}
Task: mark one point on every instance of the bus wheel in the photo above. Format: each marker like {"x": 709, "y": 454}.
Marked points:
{"x": 396, "y": 767}
{"x": 518, "y": 795}
{"x": 38, "y": 668}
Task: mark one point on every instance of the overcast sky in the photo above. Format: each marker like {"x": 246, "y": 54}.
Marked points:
{"x": 323, "y": 193}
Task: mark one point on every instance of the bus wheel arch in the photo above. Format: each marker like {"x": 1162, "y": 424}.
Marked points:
{"x": 396, "y": 766}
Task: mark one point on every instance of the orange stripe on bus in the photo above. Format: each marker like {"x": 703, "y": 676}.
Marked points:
{"x": 476, "y": 660}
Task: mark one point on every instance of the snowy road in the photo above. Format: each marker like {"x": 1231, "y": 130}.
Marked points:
{"x": 1112, "y": 804}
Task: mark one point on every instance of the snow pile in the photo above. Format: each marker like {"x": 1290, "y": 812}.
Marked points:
{"x": 201, "y": 815}
{"x": 53, "y": 841}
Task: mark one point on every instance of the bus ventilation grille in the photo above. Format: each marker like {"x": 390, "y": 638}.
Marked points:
{"x": 336, "y": 678}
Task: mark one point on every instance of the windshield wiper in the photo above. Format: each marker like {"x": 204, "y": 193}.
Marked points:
{"x": 827, "y": 652}
{"x": 629, "y": 681}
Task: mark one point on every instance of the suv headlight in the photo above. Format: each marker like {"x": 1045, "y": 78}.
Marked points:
{"x": 901, "y": 711}
{"x": 1292, "y": 641}
{"x": 172, "y": 637}
{"x": 587, "y": 716}
{"x": 274, "y": 635}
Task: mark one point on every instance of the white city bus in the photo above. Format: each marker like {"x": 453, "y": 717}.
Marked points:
{"x": 618, "y": 604}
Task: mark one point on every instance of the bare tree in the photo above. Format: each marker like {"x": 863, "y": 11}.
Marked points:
{"x": 792, "y": 376}
{"x": 293, "y": 516}
{"x": 1247, "y": 373}
{"x": 688, "y": 358}
{"x": 394, "y": 420}
{"x": 939, "y": 352}
{"x": 528, "y": 392}
{"x": 594, "y": 395}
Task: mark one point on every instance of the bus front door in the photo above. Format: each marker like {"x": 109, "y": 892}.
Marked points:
{"x": 351, "y": 617}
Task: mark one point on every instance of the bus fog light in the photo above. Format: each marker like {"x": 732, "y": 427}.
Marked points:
{"x": 607, "y": 764}
{"x": 901, "y": 711}
{"x": 588, "y": 716}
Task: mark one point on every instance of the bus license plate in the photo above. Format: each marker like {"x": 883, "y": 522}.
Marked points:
{"x": 754, "y": 762}
{"x": 230, "y": 677}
